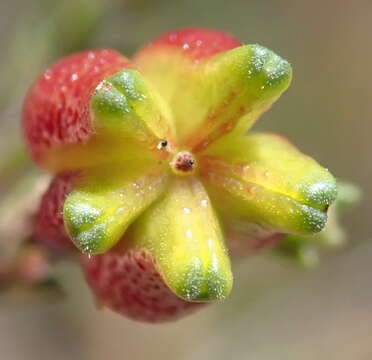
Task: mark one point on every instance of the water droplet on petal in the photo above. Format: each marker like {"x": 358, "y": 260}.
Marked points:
{"x": 204, "y": 202}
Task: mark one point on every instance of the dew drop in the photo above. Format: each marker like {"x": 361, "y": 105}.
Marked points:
{"x": 47, "y": 75}
{"x": 204, "y": 202}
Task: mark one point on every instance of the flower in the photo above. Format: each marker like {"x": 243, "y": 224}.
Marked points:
{"x": 160, "y": 159}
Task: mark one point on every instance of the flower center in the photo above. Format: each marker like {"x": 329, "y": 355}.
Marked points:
{"x": 183, "y": 163}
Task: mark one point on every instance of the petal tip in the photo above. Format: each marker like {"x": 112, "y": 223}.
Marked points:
{"x": 113, "y": 98}
{"x": 322, "y": 193}
{"x": 312, "y": 220}
{"x": 271, "y": 70}
{"x": 204, "y": 285}
{"x": 82, "y": 225}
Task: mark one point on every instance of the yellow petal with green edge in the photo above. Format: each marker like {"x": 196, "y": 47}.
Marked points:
{"x": 100, "y": 151}
{"x": 241, "y": 84}
{"x": 183, "y": 234}
{"x": 179, "y": 80}
{"x": 126, "y": 106}
{"x": 130, "y": 121}
{"x": 306, "y": 249}
{"x": 102, "y": 205}
{"x": 213, "y": 96}
{"x": 262, "y": 178}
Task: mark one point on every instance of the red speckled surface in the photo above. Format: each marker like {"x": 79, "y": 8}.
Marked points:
{"x": 49, "y": 227}
{"x": 128, "y": 283}
{"x": 197, "y": 43}
{"x": 56, "y": 110}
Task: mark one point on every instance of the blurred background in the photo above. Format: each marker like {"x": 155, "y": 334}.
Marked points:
{"x": 277, "y": 310}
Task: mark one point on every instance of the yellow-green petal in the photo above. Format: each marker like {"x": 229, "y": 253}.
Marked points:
{"x": 241, "y": 84}
{"x": 307, "y": 249}
{"x": 180, "y": 82}
{"x": 183, "y": 234}
{"x": 126, "y": 106}
{"x": 213, "y": 96}
{"x": 101, "y": 207}
{"x": 262, "y": 178}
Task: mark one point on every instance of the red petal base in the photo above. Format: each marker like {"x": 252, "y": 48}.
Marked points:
{"x": 129, "y": 284}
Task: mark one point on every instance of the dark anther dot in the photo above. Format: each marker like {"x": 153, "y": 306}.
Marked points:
{"x": 162, "y": 144}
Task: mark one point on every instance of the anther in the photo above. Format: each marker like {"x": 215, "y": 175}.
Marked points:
{"x": 183, "y": 163}
{"x": 162, "y": 144}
